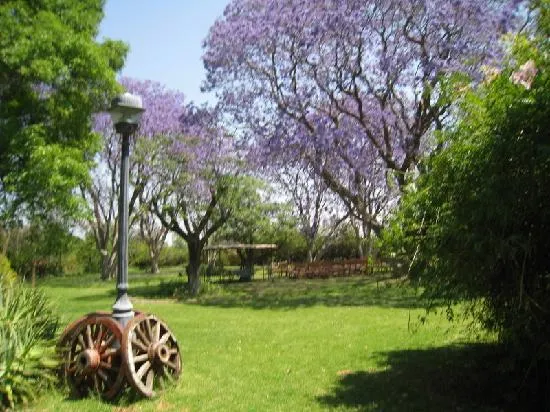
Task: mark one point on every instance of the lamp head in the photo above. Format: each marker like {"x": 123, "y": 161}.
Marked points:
{"x": 127, "y": 109}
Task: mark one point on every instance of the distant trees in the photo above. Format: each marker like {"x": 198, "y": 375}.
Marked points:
{"x": 317, "y": 212}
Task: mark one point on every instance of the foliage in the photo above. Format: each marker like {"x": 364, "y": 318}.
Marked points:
{"x": 138, "y": 254}
{"x": 43, "y": 245}
{"x": 283, "y": 231}
{"x": 342, "y": 245}
{"x": 476, "y": 224}
{"x": 315, "y": 207}
{"x": 250, "y": 220}
{"x": 28, "y": 364}
{"x": 85, "y": 253}
{"x": 53, "y": 76}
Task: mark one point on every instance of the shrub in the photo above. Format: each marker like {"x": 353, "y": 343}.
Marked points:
{"x": 27, "y": 348}
{"x": 174, "y": 256}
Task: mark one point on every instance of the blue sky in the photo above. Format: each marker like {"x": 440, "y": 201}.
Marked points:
{"x": 165, "y": 38}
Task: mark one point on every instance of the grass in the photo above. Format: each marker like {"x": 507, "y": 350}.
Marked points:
{"x": 348, "y": 344}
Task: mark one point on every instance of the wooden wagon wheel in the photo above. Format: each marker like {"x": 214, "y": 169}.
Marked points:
{"x": 151, "y": 354}
{"x": 93, "y": 359}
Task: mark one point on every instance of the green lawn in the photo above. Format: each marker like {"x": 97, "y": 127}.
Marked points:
{"x": 286, "y": 345}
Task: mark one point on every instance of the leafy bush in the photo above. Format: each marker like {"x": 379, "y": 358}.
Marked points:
{"x": 476, "y": 226}
{"x": 138, "y": 254}
{"x": 27, "y": 349}
{"x": 174, "y": 256}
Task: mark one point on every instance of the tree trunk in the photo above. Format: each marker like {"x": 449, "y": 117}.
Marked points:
{"x": 154, "y": 255}
{"x": 310, "y": 244}
{"x": 107, "y": 266}
{"x": 310, "y": 253}
{"x": 193, "y": 278}
{"x": 247, "y": 270}
{"x": 358, "y": 239}
{"x": 155, "y": 265}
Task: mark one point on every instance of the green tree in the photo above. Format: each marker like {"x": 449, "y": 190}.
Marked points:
{"x": 39, "y": 249}
{"x": 476, "y": 225}
{"x": 53, "y": 75}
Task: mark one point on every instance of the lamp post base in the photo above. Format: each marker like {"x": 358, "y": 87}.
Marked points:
{"x": 122, "y": 310}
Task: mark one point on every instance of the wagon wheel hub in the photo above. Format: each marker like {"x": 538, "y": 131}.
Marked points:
{"x": 158, "y": 353}
{"x": 88, "y": 360}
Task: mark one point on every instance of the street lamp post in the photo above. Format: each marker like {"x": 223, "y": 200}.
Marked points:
{"x": 103, "y": 351}
{"x": 126, "y": 111}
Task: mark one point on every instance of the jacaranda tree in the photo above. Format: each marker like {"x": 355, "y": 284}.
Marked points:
{"x": 344, "y": 81}
{"x": 162, "y": 118}
{"x": 195, "y": 182}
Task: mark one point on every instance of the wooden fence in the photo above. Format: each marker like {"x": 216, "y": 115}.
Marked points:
{"x": 321, "y": 269}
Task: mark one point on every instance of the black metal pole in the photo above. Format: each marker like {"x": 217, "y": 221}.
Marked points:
{"x": 122, "y": 309}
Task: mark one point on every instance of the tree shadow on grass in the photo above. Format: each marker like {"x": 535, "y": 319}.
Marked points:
{"x": 291, "y": 294}
{"x": 453, "y": 378}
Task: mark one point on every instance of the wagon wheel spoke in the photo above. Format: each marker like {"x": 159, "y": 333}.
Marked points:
{"x": 93, "y": 364}
{"x": 149, "y": 329}
{"x": 140, "y": 345}
{"x": 108, "y": 352}
{"x": 109, "y": 341}
{"x": 81, "y": 341}
{"x": 150, "y": 379}
{"x": 103, "y": 375}
{"x": 141, "y": 358}
{"x": 89, "y": 341}
{"x": 150, "y": 354}
{"x": 99, "y": 337}
{"x": 172, "y": 365}
{"x": 168, "y": 374}
{"x": 157, "y": 332}
{"x": 165, "y": 337}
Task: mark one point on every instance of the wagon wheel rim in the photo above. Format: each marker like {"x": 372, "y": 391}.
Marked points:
{"x": 151, "y": 354}
{"x": 93, "y": 362}
{"x": 69, "y": 331}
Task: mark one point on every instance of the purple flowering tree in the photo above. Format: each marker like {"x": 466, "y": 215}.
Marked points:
{"x": 361, "y": 85}
{"x": 194, "y": 178}
{"x": 164, "y": 108}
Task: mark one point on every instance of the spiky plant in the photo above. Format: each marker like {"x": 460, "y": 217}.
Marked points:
{"x": 28, "y": 323}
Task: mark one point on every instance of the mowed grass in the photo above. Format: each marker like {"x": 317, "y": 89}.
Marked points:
{"x": 295, "y": 345}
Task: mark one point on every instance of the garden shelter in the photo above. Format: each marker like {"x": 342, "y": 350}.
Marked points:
{"x": 246, "y": 272}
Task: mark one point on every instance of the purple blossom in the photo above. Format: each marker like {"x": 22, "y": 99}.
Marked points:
{"x": 352, "y": 82}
